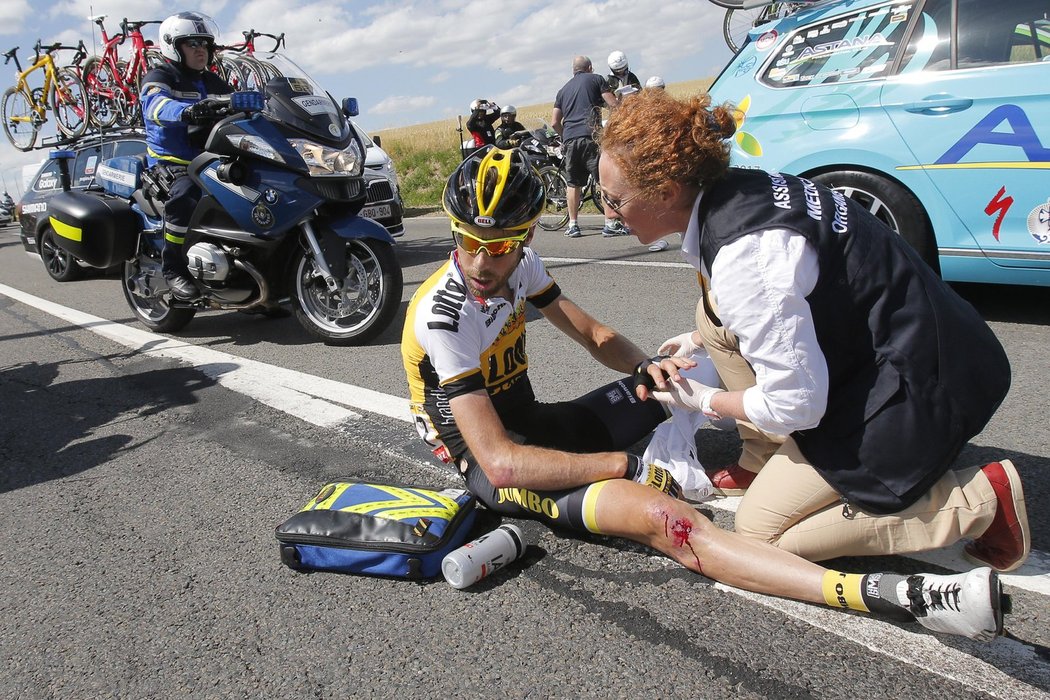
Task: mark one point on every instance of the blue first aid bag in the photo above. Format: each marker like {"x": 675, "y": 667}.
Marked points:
{"x": 377, "y": 529}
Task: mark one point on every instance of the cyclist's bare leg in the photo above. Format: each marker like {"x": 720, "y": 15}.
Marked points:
{"x": 629, "y": 509}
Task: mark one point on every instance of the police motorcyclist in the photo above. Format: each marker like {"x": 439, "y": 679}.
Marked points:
{"x": 174, "y": 96}
{"x": 509, "y": 131}
{"x": 620, "y": 77}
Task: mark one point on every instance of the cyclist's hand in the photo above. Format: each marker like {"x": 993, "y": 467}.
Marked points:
{"x": 204, "y": 112}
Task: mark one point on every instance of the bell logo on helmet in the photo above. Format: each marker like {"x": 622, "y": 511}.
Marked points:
{"x": 486, "y": 221}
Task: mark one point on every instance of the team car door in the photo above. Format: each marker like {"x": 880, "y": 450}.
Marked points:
{"x": 974, "y": 109}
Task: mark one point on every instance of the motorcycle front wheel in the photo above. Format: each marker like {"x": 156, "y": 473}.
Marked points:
{"x": 153, "y": 312}
{"x": 364, "y": 306}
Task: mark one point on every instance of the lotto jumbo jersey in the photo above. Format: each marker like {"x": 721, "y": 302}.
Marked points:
{"x": 454, "y": 343}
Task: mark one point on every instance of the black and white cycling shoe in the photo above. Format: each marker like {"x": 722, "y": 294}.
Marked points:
{"x": 970, "y": 604}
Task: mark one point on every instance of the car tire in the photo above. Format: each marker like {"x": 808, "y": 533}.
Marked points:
{"x": 59, "y": 264}
{"x": 891, "y": 204}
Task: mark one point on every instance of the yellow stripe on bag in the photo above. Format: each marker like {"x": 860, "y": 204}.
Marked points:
{"x": 405, "y": 503}
{"x": 66, "y": 231}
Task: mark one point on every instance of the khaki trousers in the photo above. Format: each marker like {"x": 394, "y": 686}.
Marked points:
{"x": 791, "y": 506}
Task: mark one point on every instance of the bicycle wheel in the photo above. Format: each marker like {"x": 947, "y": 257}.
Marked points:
{"x": 21, "y": 123}
{"x": 230, "y": 71}
{"x": 556, "y": 209}
{"x": 100, "y": 84}
{"x": 70, "y": 103}
{"x": 255, "y": 74}
{"x": 728, "y": 4}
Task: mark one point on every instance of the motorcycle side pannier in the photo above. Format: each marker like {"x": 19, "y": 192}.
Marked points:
{"x": 101, "y": 231}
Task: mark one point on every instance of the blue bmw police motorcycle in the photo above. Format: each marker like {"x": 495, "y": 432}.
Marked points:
{"x": 281, "y": 175}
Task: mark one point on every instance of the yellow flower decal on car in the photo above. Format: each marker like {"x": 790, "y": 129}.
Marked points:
{"x": 747, "y": 142}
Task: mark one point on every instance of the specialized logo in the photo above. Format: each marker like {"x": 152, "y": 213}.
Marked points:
{"x": 1000, "y": 204}
{"x": 486, "y": 221}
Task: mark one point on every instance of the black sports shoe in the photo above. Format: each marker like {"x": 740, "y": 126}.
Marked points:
{"x": 183, "y": 288}
{"x": 969, "y": 604}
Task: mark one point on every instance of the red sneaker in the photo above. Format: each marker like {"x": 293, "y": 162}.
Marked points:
{"x": 732, "y": 480}
{"x": 1005, "y": 544}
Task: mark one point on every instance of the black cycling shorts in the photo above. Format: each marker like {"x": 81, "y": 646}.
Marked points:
{"x": 581, "y": 160}
{"x": 607, "y": 419}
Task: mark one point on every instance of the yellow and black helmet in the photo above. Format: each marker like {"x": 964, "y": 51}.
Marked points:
{"x": 494, "y": 188}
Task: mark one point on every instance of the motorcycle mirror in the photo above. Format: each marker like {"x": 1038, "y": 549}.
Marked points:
{"x": 350, "y": 107}
{"x": 377, "y": 141}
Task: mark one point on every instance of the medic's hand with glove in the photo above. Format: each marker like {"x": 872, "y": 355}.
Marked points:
{"x": 690, "y": 395}
{"x": 652, "y": 476}
{"x": 681, "y": 345}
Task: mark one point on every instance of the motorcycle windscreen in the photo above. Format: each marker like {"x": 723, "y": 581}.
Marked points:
{"x": 295, "y": 99}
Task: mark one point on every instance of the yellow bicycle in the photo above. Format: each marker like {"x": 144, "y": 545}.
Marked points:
{"x": 25, "y": 108}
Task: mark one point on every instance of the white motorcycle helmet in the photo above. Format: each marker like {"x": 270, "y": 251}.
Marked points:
{"x": 655, "y": 82}
{"x": 618, "y": 62}
{"x": 186, "y": 25}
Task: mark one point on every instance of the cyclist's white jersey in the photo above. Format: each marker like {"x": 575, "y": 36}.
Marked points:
{"x": 454, "y": 343}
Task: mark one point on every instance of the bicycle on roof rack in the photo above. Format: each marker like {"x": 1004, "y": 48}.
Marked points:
{"x": 744, "y": 15}
{"x": 239, "y": 67}
{"x": 113, "y": 83}
{"x": 24, "y": 108}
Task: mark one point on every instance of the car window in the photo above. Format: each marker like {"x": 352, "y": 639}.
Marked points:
{"x": 86, "y": 163}
{"x": 996, "y": 33}
{"x": 48, "y": 179}
{"x": 853, "y": 47}
{"x": 129, "y": 148}
{"x": 989, "y": 34}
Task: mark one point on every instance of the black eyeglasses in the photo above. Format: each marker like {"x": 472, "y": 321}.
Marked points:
{"x": 617, "y": 205}
{"x": 197, "y": 43}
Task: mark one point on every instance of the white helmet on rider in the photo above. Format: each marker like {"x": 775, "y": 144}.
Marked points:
{"x": 186, "y": 25}
{"x": 511, "y": 110}
{"x": 618, "y": 62}
{"x": 655, "y": 82}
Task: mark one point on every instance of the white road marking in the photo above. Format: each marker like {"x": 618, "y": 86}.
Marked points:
{"x": 327, "y": 403}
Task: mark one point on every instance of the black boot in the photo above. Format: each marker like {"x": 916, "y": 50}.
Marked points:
{"x": 183, "y": 288}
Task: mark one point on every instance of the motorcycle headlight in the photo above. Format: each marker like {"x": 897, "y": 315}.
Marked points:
{"x": 322, "y": 160}
{"x": 255, "y": 146}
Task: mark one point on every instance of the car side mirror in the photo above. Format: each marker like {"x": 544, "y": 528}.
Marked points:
{"x": 350, "y": 107}
{"x": 377, "y": 141}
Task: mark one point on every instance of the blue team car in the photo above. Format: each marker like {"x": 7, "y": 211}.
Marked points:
{"x": 934, "y": 114}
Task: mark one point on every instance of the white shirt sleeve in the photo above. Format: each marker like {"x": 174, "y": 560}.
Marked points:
{"x": 760, "y": 283}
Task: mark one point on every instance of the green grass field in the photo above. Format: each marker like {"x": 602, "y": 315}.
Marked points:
{"x": 425, "y": 154}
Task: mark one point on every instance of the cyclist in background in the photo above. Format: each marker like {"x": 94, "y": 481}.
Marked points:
{"x": 174, "y": 97}
{"x": 508, "y": 133}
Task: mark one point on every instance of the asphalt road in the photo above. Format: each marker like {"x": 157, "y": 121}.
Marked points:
{"x": 141, "y": 479}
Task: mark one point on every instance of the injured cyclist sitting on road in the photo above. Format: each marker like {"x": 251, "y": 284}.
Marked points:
{"x": 564, "y": 464}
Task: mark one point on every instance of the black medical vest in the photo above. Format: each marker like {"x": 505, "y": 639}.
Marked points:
{"x": 914, "y": 371}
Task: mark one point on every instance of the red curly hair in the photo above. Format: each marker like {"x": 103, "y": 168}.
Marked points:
{"x": 656, "y": 138}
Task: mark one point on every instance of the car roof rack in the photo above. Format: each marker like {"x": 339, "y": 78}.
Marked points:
{"x": 59, "y": 141}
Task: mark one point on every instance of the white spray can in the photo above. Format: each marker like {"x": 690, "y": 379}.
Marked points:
{"x": 475, "y": 560}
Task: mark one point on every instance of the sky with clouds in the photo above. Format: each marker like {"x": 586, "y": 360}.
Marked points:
{"x": 410, "y": 61}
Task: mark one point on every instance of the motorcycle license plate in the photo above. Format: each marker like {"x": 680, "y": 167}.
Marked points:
{"x": 376, "y": 211}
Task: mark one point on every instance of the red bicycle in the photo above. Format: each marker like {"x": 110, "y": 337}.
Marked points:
{"x": 239, "y": 67}
{"x": 113, "y": 83}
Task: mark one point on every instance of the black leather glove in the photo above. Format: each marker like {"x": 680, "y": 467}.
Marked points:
{"x": 204, "y": 112}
